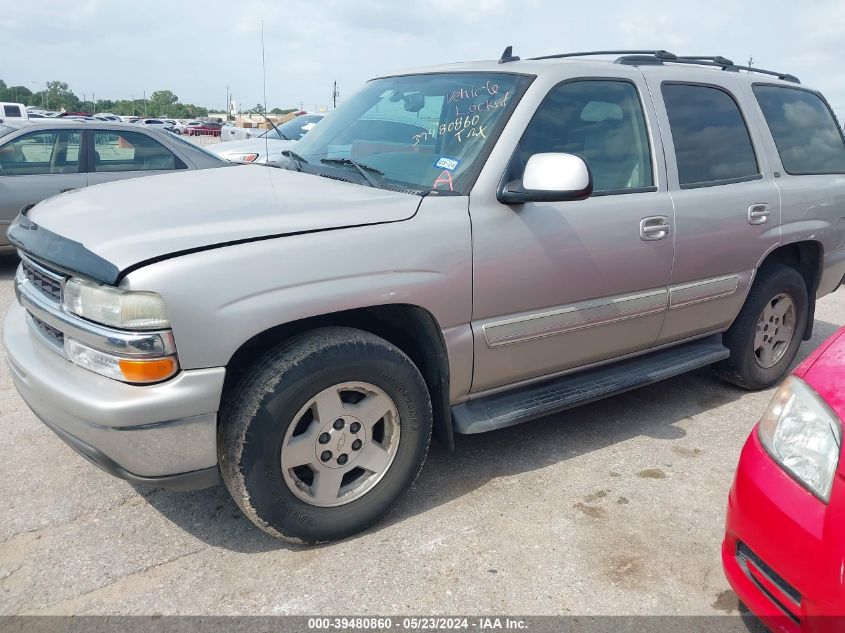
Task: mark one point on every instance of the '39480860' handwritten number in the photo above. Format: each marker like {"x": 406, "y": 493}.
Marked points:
{"x": 467, "y": 123}
{"x": 462, "y": 128}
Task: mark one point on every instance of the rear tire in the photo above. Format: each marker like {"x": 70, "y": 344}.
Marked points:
{"x": 324, "y": 433}
{"x": 767, "y": 333}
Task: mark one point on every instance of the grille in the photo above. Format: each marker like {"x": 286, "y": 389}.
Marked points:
{"x": 47, "y": 283}
{"x": 51, "y": 334}
{"x": 746, "y": 556}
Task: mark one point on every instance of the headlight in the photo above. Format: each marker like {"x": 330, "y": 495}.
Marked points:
{"x": 115, "y": 307}
{"x": 803, "y": 435}
{"x": 244, "y": 158}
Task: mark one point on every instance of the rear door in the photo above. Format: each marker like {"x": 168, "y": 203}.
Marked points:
{"x": 727, "y": 206}
{"x": 565, "y": 284}
{"x": 121, "y": 154}
{"x": 36, "y": 165}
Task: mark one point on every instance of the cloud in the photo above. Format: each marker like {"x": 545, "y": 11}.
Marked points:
{"x": 118, "y": 48}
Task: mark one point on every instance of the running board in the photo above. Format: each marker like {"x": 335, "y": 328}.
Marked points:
{"x": 558, "y": 394}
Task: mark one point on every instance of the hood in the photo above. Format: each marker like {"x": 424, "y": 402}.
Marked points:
{"x": 249, "y": 145}
{"x": 101, "y": 231}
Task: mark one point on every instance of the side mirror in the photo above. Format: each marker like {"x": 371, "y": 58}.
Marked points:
{"x": 552, "y": 177}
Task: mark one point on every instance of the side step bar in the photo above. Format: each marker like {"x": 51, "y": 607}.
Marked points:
{"x": 558, "y": 394}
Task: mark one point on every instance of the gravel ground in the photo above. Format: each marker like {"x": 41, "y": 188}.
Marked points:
{"x": 613, "y": 508}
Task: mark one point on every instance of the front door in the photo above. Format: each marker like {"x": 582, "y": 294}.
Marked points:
{"x": 563, "y": 285}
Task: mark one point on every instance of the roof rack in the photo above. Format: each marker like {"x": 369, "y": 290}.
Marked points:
{"x": 638, "y": 57}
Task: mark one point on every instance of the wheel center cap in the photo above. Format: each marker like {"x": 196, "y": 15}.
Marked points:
{"x": 340, "y": 442}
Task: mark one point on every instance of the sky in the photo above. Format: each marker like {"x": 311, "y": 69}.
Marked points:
{"x": 119, "y": 50}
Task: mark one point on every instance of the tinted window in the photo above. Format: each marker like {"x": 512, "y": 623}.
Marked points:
{"x": 805, "y": 132}
{"x": 711, "y": 140}
{"x": 12, "y": 111}
{"x": 601, "y": 121}
{"x": 131, "y": 151}
{"x": 45, "y": 152}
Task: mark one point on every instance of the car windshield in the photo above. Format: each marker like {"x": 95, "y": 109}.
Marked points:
{"x": 423, "y": 132}
{"x": 5, "y": 129}
{"x": 294, "y": 129}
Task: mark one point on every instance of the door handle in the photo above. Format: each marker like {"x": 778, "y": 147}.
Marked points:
{"x": 759, "y": 213}
{"x": 655, "y": 227}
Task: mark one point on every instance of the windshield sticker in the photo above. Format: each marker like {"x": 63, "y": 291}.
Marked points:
{"x": 445, "y": 178}
{"x": 450, "y": 164}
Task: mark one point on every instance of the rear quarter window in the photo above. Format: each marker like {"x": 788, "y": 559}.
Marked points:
{"x": 804, "y": 129}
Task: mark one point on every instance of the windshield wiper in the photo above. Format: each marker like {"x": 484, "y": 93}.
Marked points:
{"x": 299, "y": 160}
{"x": 361, "y": 167}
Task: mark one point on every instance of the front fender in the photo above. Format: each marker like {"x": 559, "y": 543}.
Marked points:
{"x": 220, "y": 298}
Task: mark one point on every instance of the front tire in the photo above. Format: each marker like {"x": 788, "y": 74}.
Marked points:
{"x": 767, "y": 333}
{"x": 322, "y": 436}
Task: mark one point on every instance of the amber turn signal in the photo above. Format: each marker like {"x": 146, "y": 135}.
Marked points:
{"x": 148, "y": 370}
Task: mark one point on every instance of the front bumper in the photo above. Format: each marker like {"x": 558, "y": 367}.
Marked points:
{"x": 162, "y": 435}
{"x": 783, "y": 552}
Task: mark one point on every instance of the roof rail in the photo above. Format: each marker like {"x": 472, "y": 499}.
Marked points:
{"x": 709, "y": 60}
{"x": 659, "y": 53}
{"x": 638, "y": 57}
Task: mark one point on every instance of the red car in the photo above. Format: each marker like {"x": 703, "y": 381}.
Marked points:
{"x": 203, "y": 129}
{"x": 784, "y": 547}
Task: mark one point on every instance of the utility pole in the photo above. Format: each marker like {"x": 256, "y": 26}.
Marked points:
{"x": 751, "y": 60}
{"x": 145, "y": 104}
{"x": 335, "y": 95}
{"x": 226, "y": 109}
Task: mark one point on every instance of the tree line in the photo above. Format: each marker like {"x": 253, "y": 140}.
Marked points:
{"x": 57, "y": 95}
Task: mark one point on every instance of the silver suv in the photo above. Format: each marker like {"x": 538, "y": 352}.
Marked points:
{"x": 454, "y": 250}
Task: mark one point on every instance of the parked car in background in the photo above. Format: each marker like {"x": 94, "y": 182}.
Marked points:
{"x": 234, "y": 133}
{"x": 45, "y": 158}
{"x": 12, "y": 112}
{"x": 159, "y": 124}
{"x": 203, "y": 128}
{"x": 37, "y": 115}
{"x": 269, "y": 146}
{"x": 456, "y": 249}
{"x": 105, "y": 116}
{"x": 785, "y": 528}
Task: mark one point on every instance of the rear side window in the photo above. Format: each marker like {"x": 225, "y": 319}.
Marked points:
{"x": 805, "y": 132}
{"x": 12, "y": 111}
{"x": 712, "y": 144}
{"x": 131, "y": 151}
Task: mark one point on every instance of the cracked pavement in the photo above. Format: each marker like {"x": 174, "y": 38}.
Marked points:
{"x": 613, "y": 508}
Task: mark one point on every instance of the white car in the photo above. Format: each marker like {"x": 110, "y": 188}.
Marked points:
{"x": 160, "y": 124}
{"x": 268, "y": 147}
